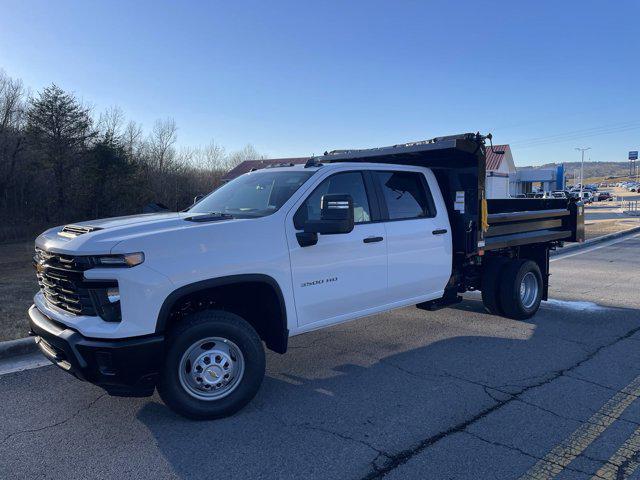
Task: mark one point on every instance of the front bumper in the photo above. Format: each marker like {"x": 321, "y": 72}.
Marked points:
{"x": 122, "y": 367}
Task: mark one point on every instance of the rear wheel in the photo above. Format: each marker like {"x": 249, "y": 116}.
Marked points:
{"x": 490, "y": 287}
{"x": 214, "y": 365}
{"x": 521, "y": 289}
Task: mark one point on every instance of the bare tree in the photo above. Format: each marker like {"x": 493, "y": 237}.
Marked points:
{"x": 110, "y": 124}
{"x": 12, "y": 139}
{"x": 12, "y": 117}
{"x": 132, "y": 138}
{"x": 214, "y": 156}
{"x": 12, "y": 102}
{"x": 162, "y": 142}
{"x": 211, "y": 157}
{"x": 247, "y": 153}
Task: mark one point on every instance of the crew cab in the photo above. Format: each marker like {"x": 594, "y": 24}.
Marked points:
{"x": 183, "y": 302}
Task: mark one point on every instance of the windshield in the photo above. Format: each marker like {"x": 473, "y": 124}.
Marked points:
{"x": 256, "y": 194}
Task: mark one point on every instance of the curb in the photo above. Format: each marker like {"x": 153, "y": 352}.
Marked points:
{"x": 594, "y": 241}
{"x": 14, "y": 348}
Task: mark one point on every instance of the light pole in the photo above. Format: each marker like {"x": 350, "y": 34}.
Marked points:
{"x": 582, "y": 150}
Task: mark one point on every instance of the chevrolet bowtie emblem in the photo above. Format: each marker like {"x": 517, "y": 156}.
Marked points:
{"x": 213, "y": 374}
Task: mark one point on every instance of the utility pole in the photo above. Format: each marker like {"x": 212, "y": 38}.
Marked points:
{"x": 582, "y": 150}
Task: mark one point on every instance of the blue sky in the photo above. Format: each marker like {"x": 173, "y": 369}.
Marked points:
{"x": 296, "y": 78}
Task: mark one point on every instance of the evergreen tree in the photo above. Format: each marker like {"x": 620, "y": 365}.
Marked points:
{"x": 60, "y": 128}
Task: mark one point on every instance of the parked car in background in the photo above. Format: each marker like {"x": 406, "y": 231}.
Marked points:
{"x": 586, "y": 197}
{"x": 602, "y": 196}
{"x": 559, "y": 194}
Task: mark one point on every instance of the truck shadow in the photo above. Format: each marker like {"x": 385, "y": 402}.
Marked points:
{"x": 343, "y": 395}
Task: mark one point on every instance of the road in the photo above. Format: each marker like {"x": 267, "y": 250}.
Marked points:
{"x": 411, "y": 394}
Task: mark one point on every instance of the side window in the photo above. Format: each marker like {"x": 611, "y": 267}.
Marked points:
{"x": 350, "y": 183}
{"x": 406, "y": 194}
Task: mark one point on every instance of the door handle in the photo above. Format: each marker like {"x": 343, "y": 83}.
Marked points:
{"x": 440, "y": 231}
{"x": 372, "y": 239}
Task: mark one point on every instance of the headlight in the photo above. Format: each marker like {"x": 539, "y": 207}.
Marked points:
{"x": 123, "y": 260}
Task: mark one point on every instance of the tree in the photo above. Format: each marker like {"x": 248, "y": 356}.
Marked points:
{"x": 132, "y": 139}
{"x": 12, "y": 106}
{"x": 12, "y": 109}
{"x": 60, "y": 128}
{"x": 110, "y": 125}
{"x": 247, "y": 153}
{"x": 162, "y": 141}
{"x": 109, "y": 175}
{"x": 58, "y": 164}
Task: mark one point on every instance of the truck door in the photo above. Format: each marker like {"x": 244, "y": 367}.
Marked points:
{"x": 418, "y": 235}
{"x": 345, "y": 274}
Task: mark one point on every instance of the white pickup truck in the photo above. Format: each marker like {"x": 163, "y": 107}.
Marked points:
{"x": 183, "y": 302}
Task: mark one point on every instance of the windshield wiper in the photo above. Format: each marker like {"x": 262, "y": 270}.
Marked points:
{"x": 210, "y": 217}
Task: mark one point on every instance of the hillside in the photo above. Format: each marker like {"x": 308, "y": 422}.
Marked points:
{"x": 592, "y": 169}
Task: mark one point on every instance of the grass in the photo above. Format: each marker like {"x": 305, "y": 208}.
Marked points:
{"x": 17, "y": 288}
{"x": 610, "y": 226}
{"x": 598, "y": 180}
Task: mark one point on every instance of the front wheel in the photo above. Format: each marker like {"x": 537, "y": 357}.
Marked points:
{"x": 214, "y": 365}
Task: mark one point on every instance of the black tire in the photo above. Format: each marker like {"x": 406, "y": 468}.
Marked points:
{"x": 490, "y": 285}
{"x": 198, "y": 326}
{"x": 510, "y": 298}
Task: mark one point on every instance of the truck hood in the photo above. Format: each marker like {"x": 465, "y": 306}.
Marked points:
{"x": 100, "y": 236}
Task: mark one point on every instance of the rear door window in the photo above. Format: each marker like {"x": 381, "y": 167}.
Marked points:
{"x": 406, "y": 195}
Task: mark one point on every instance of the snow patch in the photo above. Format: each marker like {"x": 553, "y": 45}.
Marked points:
{"x": 575, "y": 305}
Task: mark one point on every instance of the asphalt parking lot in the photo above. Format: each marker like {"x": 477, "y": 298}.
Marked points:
{"x": 455, "y": 394}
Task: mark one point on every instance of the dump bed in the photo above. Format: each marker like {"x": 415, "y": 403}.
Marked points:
{"x": 519, "y": 221}
{"x": 478, "y": 224}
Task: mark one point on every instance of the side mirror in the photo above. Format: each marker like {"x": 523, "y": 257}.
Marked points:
{"x": 336, "y": 217}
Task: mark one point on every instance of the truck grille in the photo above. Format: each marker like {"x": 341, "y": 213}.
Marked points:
{"x": 61, "y": 281}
